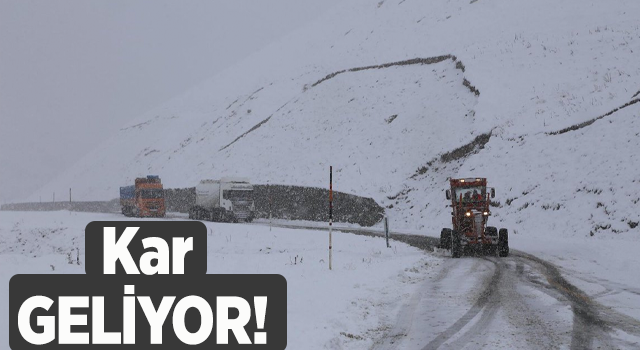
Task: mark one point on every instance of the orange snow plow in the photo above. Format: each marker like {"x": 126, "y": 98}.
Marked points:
{"x": 470, "y": 199}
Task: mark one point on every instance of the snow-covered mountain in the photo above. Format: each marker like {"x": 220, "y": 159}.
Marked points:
{"x": 400, "y": 95}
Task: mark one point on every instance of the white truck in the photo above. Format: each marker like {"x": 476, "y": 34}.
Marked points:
{"x": 229, "y": 199}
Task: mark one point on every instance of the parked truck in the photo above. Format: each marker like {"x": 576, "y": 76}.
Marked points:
{"x": 229, "y": 199}
{"x": 143, "y": 199}
{"x": 470, "y": 200}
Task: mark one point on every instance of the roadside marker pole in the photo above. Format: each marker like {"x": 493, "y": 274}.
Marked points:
{"x": 330, "y": 214}
{"x": 386, "y": 230}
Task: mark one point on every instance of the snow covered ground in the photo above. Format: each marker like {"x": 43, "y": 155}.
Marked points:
{"x": 383, "y": 298}
{"x": 347, "y": 307}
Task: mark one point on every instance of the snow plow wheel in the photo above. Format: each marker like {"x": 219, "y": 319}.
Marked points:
{"x": 503, "y": 243}
{"x": 490, "y": 249}
{"x": 445, "y": 238}
{"x": 456, "y": 246}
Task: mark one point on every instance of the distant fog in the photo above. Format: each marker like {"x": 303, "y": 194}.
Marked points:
{"x": 73, "y": 72}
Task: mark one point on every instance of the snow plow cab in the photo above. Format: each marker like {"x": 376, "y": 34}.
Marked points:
{"x": 470, "y": 199}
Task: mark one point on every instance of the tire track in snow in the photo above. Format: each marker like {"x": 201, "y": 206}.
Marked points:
{"x": 522, "y": 300}
{"x": 449, "y": 277}
{"x": 612, "y": 287}
{"x": 402, "y": 325}
{"x": 592, "y": 322}
{"x": 502, "y": 295}
{"x": 487, "y": 303}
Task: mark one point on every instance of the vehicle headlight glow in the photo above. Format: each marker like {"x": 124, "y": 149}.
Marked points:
{"x": 468, "y": 213}
{"x": 486, "y": 213}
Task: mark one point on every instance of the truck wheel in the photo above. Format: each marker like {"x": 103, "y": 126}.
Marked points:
{"x": 215, "y": 215}
{"x": 503, "y": 243}
{"x": 445, "y": 238}
{"x": 456, "y": 246}
{"x": 491, "y": 231}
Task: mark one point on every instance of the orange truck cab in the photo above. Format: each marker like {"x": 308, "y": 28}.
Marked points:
{"x": 144, "y": 199}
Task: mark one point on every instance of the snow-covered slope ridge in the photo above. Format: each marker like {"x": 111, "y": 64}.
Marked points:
{"x": 513, "y": 73}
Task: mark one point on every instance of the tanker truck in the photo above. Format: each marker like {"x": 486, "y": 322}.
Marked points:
{"x": 229, "y": 199}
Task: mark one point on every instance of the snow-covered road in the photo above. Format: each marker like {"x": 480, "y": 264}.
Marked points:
{"x": 412, "y": 296}
{"x": 519, "y": 302}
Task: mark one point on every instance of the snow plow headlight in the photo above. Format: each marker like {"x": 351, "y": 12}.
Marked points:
{"x": 485, "y": 213}
{"x": 468, "y": 213}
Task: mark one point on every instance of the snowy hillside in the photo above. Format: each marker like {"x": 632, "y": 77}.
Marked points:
{"x": 507, "y": 74}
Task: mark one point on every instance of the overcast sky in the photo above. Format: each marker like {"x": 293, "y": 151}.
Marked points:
{"x": 73, "y": 71}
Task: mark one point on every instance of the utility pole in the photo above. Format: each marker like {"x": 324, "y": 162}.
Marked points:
{"x": 69, "y": 194}
{"x": 330, "y": 214}
{"x": 386, "y": 230}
